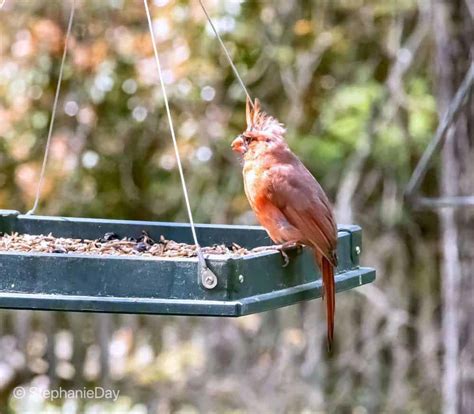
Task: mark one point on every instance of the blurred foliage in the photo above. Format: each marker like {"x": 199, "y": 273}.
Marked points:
{"x": 356, "y": 95}
{"x": 112, "y": 154}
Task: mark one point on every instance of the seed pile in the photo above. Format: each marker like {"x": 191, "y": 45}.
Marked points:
{"x": 110, "y": 244}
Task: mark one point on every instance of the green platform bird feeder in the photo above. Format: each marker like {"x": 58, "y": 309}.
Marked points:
{"x": 247, "y": 284}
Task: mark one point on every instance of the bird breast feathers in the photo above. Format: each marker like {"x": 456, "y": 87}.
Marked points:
{"x": 255, "y": 181}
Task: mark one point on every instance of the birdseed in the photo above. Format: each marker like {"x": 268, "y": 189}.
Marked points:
{"x": 110, "y": 245}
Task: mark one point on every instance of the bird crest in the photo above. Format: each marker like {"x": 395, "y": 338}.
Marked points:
{"x": 259, "y": 122}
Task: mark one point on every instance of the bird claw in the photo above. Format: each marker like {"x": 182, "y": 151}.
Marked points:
{"x": 282, "y": 249}
{"x": 285, "y": 257}
{"x": 289, "y": 246}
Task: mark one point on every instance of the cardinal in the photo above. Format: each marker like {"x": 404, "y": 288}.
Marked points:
{"x": 287, "y": 200}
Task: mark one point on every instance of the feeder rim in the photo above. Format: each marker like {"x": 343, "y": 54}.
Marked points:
{"x": 348, "y": 228}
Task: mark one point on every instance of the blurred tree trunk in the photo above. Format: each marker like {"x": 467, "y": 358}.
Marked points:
{"x": 454, "y": 34}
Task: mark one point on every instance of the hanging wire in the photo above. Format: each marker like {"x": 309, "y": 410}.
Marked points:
{"x": 208, "y": 279}
{"x": 53, "y": 113}
{"x": 229, "y": 58}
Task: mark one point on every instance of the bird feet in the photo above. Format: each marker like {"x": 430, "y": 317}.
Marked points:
{"x": 283, "y": 249}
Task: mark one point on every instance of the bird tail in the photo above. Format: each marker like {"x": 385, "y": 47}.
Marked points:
{"x": 327, "y": 270}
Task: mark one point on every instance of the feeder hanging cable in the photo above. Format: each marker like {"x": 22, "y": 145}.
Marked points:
{"x": 226, "y": 51}
{"x": 208, "y": 278}
{"x": 39, "y": 187}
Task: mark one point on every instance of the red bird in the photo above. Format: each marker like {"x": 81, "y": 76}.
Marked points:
{"x": 287, "y": 200}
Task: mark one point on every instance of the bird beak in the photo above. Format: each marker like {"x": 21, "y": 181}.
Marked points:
{"x": 238, "y": 145}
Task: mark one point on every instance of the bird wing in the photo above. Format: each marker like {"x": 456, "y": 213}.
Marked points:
{"x": 300, "y": 198}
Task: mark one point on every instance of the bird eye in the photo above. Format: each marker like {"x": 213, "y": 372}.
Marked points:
{"x": 246, "y": 138}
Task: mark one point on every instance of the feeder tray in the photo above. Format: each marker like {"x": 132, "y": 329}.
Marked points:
{"x": 247, "y": 284}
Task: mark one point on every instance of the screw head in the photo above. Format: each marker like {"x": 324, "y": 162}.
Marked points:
{"x": 357, "y": 250}
{"x": 209, "y": 279}
{"x": 241, "y": 278}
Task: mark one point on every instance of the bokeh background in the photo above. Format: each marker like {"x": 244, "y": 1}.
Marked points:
{"x": 360, "y": 85}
